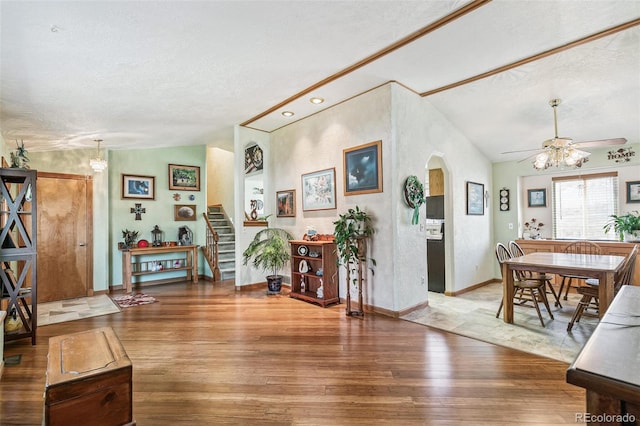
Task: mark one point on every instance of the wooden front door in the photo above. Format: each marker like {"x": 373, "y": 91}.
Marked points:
{"x": 64, "y": 236}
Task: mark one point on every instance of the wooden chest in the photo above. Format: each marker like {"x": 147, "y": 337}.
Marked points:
{"x": 89, "y": 380}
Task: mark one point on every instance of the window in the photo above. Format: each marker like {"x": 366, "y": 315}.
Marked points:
{"x": 582, "y": 205}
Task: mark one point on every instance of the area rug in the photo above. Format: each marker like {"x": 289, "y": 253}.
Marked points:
{"x": 75, "y": 309}
{"x": 129, "y": 300}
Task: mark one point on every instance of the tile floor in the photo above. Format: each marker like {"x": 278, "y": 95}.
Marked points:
{"x": 473, "y": 314}
{"x": 74, "y": 309}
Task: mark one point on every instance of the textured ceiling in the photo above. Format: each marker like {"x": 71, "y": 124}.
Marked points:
{"x": 155, "y": 74}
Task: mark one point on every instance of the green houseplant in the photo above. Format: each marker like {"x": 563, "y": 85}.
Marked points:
{"x": 351, "y": 231}
{"x": 627, "y": 226}
{"x": 269, "y": 250}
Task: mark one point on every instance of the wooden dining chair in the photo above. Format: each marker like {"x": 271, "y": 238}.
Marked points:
{"x": 590, "y": 291}
{"x": 516, "y": 251}
{"x": 525, "y": 290}
{"x": 577, "y": 247}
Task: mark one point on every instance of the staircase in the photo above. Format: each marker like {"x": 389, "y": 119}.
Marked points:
{"x": 226, "y": 242}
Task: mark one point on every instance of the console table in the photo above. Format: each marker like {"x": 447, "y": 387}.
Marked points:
{"x": 133, "y": 265}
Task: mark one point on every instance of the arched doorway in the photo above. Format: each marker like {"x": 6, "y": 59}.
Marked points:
{"x": 437, "y": 236}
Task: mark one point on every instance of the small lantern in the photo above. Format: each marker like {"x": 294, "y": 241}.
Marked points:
{"x": 157, "y": 236}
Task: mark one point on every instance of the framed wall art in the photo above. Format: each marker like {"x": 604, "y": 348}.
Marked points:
{"x": 319, "y": 190}
{"x": 142, "y": 187}
{"x": 537, "y": 197}
{"x": 184, "y": 178}
{"x": 253, "y": 159}
{"x": 633, "y": 192}
{"x": 475, "y": 198}
{"x": 363, "y": 169}
{"x": 184, "y": 212}
{"x": 286, "y": 202}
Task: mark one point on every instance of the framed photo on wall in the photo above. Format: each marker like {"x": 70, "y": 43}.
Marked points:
{"x": 184, "y": 178}
{"x": 537, "y": 197}
{"x": 184, "y": 212}
{"x": 633, "y": 191}
{"x": 286, "y": 202}
{"x": 363, "y": 169}
{"x": 139, "y": 187}
{"x": 319, "y": 190}
{"x": 475, "y": 198}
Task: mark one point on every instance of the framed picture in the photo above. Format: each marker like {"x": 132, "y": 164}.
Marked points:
{"x": 252, "y": 159}
{"x": 633, "y": 191}
{"x": 319, "y": 190}
{"x": 537, "y": 197}
{"x": 184, "y": 212}
{"x": 184, "y": 178}
{"x": 286, "y": 202}
{"x": 142, "y": 187}
{"x": 475, "y": 198}
{"x": 363, "y": 169}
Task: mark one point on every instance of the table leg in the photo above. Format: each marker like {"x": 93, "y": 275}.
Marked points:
{"x": 126, "y": 271}
{"x": 605, "y": 292}
{"x": 194, "y": 260}
{"x": 507, "y": 293}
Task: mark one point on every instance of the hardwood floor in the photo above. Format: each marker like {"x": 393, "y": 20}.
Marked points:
{"x": 207, "y": 355}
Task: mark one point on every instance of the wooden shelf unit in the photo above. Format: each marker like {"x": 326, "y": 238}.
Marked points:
{"x": 132, "y": 267}
{"x": 18, "y": 231}
{"x": 321, "y": 256}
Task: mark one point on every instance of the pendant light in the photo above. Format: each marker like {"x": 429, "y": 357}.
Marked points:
{"x": 98, "y": 164}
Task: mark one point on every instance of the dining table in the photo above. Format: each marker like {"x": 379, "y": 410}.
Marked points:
{"x": 601, "y": 267}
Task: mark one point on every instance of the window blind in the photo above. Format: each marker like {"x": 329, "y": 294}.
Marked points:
{"x": 582, "y": 205}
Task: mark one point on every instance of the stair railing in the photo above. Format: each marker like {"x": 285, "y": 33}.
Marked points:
{"x": 210, "y": 249}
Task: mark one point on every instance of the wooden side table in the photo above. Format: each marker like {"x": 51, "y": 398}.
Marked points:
{"x": 132, "y": 267}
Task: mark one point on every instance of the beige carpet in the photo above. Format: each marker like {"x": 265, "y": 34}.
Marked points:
{"x": 75, "y": 309}
{"x": 473, "y": 315}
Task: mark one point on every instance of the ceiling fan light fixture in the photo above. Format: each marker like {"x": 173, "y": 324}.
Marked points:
{"x": 98, "y": 164}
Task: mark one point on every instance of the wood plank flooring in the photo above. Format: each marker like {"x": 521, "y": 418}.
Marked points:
{"x": 206, "y": 354}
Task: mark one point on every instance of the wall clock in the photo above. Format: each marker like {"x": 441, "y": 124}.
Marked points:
{"x": 504, "y": 200}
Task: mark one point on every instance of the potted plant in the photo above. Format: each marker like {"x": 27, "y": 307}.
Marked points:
{"x": 351, "y": 229}
{"x": 627, "y": 226}
{"x": 270, "y": 251}
{"x": 129, "y": 238}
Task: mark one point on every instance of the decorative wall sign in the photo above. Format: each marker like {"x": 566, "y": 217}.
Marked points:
{"x": 621, "y": 155}
{"x": 184, "y": 212}
{"x": 475, "y": 198}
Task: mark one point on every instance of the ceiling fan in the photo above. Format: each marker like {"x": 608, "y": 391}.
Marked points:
{"x": 562, "y": 151}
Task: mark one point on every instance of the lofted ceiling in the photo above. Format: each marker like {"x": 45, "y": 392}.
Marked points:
{"x": 141, "y": 74}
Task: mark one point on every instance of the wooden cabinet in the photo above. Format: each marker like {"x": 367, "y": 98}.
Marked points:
{"x": 18, "y": 231}
{"x": 89, "y": 380}
{"x": 313, "y": 265}
{"x": 134, "y": 266}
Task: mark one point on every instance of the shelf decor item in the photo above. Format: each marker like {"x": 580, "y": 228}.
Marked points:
{"x": 414, "y": 196}
{"x": 269, "y": 250}
{"x": 352, "y": 230}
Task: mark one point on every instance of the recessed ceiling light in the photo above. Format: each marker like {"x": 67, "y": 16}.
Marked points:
{"x": 287, "y": 113}
{"x": 316, "y": 100}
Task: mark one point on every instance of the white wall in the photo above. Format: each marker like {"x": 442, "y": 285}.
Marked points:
{"x": 220, "y": 179}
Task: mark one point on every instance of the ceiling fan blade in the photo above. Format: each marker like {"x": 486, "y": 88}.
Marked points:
{"x": 527, "y": 158}
{"x": 601, "y": 142}
{"x": 522, "y": 150}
